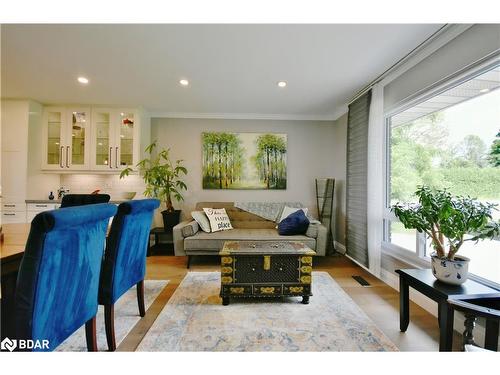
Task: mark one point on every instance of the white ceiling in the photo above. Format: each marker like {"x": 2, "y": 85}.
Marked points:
{"x": 232, "y": 69}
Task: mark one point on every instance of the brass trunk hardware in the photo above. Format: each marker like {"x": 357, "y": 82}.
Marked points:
{"x": 267, "y": 290}
{"x": 237, "y": 290}
{"x": 267, "y": 262}
{"x": 306, "y": 260}
{"x": 306, "y": 269}
{"x": 305, "y": 279}
{"x": 226, "y": 279}
{"x": 227, "y": 260}
{"x": 226, "y": 270}
{"x": 296, "y": 289}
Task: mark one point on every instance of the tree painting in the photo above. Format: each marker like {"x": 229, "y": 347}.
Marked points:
{"x": 244, "y": 160}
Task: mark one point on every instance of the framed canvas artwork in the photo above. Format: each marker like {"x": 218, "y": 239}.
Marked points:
{"x": 244, "y": 160}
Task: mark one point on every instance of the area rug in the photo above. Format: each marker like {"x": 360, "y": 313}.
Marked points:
{"x": 195, "y": 320}
{"x": 126, "y": 317}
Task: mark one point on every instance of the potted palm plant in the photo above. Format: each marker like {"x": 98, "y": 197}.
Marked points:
{"x": 449, "y": 221}
{"x": 163, "y": 180}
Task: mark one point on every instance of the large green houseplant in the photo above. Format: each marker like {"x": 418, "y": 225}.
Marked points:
{"x": 163, "y": 180}
{"x": 449, "y": 221}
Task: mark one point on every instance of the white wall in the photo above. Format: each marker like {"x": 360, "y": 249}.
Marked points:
{"x": 312, "y": 152}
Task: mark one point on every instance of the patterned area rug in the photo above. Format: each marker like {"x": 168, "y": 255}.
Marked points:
{"x": 126, "y": 317}
{"x": 195, "y": 320}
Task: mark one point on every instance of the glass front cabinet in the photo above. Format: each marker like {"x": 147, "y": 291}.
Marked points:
{"x": 66, "y": 138}
{"x": 114, "y": 139}
{"x": 97, "y": 139}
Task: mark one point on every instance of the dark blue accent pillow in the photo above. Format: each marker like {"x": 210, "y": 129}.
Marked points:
{"x": 295, "y": 223}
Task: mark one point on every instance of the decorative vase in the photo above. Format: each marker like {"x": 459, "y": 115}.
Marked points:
{"x": 453, "y": 272}
{"x": 170, "y": 219}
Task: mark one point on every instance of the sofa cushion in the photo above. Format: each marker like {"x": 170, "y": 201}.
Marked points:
{"x": 215, "y": 241}
{"x": 190, "y": 229}
{"x": 312, "y": 230}
{"x": 218, "y": 219}
{"x": 239, "y": 218}
{"x": 295, "y": 223}
{"x": 287, "y": 211}
{"x": 201, "y": 218}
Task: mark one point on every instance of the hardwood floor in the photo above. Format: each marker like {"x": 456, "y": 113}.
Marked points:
{"x": 379, "y": 301}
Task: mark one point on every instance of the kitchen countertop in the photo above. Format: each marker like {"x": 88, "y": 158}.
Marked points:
{"x": 58, "y": 201}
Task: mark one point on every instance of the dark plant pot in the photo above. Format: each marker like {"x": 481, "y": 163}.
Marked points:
{"x": 170, "y": 219}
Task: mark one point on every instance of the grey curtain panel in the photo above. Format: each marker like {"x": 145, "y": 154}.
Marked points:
{"x": 356, "y": 186}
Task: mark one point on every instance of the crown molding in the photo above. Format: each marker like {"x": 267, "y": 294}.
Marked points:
{"x": 242, "y": 116}
{"x": 340, "y": 112}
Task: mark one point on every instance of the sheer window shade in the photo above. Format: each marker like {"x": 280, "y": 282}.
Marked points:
{"x": 357, "y": 167}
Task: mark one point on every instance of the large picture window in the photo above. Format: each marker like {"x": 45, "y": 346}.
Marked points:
{"x": 450, "y": 140}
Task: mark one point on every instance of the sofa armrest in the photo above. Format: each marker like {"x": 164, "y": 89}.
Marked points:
{"x": 320, "y": 233}
{"x": 180, "y": 231}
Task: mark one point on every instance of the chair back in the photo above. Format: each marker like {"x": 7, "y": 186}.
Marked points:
{"x": 57, "y": 285}
{"x": 124, "y": 262}
{"x": 486, "y": 308}
{"x": 71, "y": 200}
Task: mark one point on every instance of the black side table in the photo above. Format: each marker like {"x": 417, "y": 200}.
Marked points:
{"x": 425, "y": 282}
{"x": 159, "y": 232}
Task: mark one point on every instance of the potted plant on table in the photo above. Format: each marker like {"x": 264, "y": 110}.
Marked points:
{"x": 163, "y": 180}
{"x": 449, "y": 221}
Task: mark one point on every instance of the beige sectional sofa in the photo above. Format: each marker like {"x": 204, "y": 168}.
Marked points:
{"x": 189, "y": 239}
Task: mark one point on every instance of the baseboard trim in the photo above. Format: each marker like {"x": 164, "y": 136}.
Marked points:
{"x": 339, "y": 247}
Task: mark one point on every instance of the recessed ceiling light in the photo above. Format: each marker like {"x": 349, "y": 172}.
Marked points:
{"x": 484, "y": 90}
{"x": 282, "y": 84}
{"x": 122, "y": 114}
{"x": 184, "y": 82}
{"x": 83, "y": 80}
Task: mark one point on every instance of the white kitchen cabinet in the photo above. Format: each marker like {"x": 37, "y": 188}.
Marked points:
{"x": 33, "y": 209}
{"x": 13, "y": 212}
{"x": 10, "y": 217}
{"x": 66, "y": 139}
{"x": 115, "y": 139}
{"x": 92, "y": 139}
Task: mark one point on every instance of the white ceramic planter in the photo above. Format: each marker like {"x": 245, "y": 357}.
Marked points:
{"x": 448, "y": 271}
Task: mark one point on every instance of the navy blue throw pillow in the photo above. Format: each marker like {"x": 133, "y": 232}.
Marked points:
{"x": 296, "y": 223}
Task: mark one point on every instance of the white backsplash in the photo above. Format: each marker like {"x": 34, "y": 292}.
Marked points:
{"x": 107, "y": 184}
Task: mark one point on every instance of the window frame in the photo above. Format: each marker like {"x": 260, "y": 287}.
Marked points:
{"x": 419, "y": 258}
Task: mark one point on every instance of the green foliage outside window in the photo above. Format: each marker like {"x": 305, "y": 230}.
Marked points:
{"x": 420, "y": 155}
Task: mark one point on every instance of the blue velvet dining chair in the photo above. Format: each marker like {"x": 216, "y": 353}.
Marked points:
{"x": 71, "y": 200}
{"x": 58, "y": 282}
{"x": 124, "y": 263}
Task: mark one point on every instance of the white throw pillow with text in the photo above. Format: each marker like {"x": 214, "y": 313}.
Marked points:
{"x": 218, "y": 219}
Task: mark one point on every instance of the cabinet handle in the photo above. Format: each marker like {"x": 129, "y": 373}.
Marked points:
{"x": 7, "y": 214}
{"x": 116, "y": 157}
{"x": 67, "y": 158}
{"x": 9, "y": 205}
{"x": 40, "y": 205}
{"x": 109, "y": 161}
{"x": 61, "y": 157}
